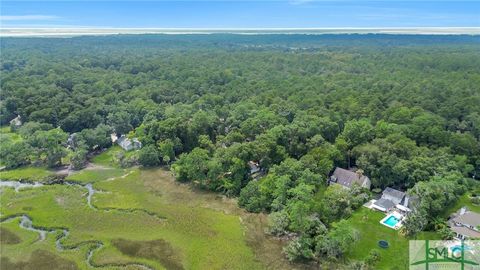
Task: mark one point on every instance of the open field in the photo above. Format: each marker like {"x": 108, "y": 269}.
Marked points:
{"x": 180, "y": 228}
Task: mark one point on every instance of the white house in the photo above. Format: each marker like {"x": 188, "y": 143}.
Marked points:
{"x": 128, "y": 144}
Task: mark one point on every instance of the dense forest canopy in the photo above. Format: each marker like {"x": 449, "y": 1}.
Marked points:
{"x": 404, "y": 109}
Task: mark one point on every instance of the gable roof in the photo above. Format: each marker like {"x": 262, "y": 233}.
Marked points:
{"x": 465, "y": 231}
{"x": 410, "y": 201}
{"x": 384, "y": 203}
{"x": 348, "y": 178}
{"x": 393, "y": 193}
{"x": 468, "y": 218}
{"x": 17, "y": 121}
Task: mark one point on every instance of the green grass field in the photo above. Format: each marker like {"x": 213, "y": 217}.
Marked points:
{"x": 27, "y": 173}
{"x": 107, "y": 157}
{"x": 367, "y": 222}
{"x": 7, "y": 134}
{"x": 91, "y": 175}
{"x": 140, "y": 216}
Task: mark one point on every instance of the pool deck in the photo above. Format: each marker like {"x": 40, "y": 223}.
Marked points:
{"x": 369, "y": 204}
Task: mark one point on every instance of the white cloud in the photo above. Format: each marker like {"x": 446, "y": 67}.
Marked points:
{"x": 27, "y": 17}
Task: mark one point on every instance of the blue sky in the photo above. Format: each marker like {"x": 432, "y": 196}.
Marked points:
{"x": 240, "y": 14}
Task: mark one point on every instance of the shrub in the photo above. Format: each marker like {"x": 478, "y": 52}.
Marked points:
{"x": 373, "y": 257}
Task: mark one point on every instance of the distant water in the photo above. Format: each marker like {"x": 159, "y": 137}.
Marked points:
{"x": 19, "y": 185}
{"x": 67, "y": 32}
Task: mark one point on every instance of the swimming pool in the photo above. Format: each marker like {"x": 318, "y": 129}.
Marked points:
{"x": 392, "y": 220}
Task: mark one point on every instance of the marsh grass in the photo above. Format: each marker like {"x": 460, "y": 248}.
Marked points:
{"x": 25, "y": 254}
{"x": 39, "y": 260}
{"x": 40, "y": 174}
{"x": 158, "y": 250}
{"x": 95, "y": 175}
{"x": 8, "y": 237}
{"x": 201, "y": 230}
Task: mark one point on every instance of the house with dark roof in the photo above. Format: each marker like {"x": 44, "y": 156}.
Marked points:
{"x": 392, "y": 198}
{"x": 347, "y": 178}
{"x": 465, "y": 224}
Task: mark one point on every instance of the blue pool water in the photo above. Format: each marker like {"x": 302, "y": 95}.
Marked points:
{"x": 391, "y": 221}
{"x": 465, "y": 247}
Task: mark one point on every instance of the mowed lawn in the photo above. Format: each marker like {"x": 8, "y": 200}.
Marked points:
{"x": 367, "y": 222}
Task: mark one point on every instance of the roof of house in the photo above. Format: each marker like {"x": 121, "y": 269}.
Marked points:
{"x": 384, "y": 203}
{"x": 465, "y": 231}
{"x": 467, "y": 217}
{"x": 394, "y": 193}
{"x": 348, "y": 178}
{"x": 254, "y": 166}
{"x": 113, "y": 137}
{"x": 17, "y": 121}
{"x": 410, "y": 201}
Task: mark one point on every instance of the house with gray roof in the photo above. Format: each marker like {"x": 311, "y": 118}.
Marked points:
{"x": 465, "y": 224}
{"x": 396, "y": 196}
{"x": 392, "y": 198}
{"x": 347, "y": 178}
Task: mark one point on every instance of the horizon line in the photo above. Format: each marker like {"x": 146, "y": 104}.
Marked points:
{"x": 96, "y": 31}
{"x": 247, "y": 28}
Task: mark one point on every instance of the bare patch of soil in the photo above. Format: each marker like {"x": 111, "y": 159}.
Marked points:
{"x": 39, "y": 260}
{"x": 8, "y": 237}
{"x": 158, "y": 250}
